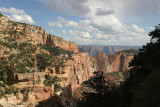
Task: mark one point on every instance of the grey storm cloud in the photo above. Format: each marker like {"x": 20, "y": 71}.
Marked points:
{"x": 72, "y": 7}
{"x": 142, "y": 7}
{"x": 103, "y": 12}
{"x": 94, "y": 8}
{"x": 105, "y": 20}
{"x": 102, "y": 28}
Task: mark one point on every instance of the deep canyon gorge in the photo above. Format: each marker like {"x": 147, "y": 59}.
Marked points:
{"x": 71, "y": 68}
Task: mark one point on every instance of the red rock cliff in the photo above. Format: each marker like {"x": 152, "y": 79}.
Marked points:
{"x": 112, "y": 63}
{"x": 24, "y": 32}
{"x": 81, "y": 68}
{"x": 77, "y": 70}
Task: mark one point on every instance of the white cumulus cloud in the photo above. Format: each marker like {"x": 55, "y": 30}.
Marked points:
{"x": 17, "y": 15}
{"x": 63, "y": 31}
{"x": 80, "y": 34}
{"x": 107, "y": 29}
{"x": 108, "y": 21}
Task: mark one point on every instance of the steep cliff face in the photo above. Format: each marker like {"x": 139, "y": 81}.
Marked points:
{"x": 112, "y": 63}
{"x": 75, "y": 71}
{"x": 30, "y": 86}
{"x": 24, "y": 32}
{"x": 58, "y": 41}
{"x": 71, "y": 72}
{"x": 80, "y": 69}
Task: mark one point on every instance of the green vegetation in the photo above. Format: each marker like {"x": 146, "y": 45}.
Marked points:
{"x": 1, "y": 15}
{"x": 148, "y": 92}
{"x": 4, "y": 70}
{"x": 18, "y": 58}
{"x": 8, "y": 43}
{"x": 4, "y": 79}
{"x": 11, "y": 90}
{"x": 24, "y": 24}
{"x": 14, "y": 23}
{"x": 98, "y": 91}
{"x": 13, "y": 32}
{"x": 22, "y": 33}
{"x": 22, "y": 57}
{"x": 44, "y": 60}
{"x": 20, "y": 61}
{"x": 53, "y": 58}
{"x": 142, "y": 87}
{"x": 49, "y": 81}
{"x": 56, "y": 51}
{"x": 130, "y": 52}
{"x": 25, "y": 90}
{"x": 7, "y": 90}
{"x": 145, "y": 73}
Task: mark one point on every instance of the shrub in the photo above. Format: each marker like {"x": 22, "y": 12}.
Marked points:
{"x": 1, "y": 15}
{"x": 57, "y": 87}
{"x": 14, "y": 23}
{"x": 25, "y": 90}
{"x": 10, "y": 90}
{"x": 56, "y": 51}
{"x": 1, "y": 105}
{"x": 44, "y": 60}
{"x": 49, "y": 81}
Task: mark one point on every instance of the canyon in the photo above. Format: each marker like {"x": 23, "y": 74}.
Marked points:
{"x": 108, "y": 50}
{"x": 30, "y": 85}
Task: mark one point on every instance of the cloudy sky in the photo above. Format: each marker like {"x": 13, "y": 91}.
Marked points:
{"x": 89, "y": 22}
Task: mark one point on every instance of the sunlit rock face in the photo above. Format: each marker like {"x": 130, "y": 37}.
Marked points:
{"x": 24, "y": 32}
{"x": 80, "y": 69}
{"x": 112, "y": 63}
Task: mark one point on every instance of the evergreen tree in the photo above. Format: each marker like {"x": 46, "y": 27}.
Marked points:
{"x": 94, "y": 90}
{"x": 145, "y": 76}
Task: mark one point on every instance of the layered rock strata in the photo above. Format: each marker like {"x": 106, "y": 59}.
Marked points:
{"x": 112, "y": 63}
{"x": 36, "y": 35}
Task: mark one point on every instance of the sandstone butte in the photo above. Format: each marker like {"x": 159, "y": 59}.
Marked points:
{"x": 76, "y": 71}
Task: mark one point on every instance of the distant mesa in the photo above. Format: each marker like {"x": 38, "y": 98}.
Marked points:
{"x": 108, "y": 50}
{"x": 129, "y": 52}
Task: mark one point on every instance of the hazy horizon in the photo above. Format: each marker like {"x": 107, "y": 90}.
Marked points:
{"x": 113, "y": 45}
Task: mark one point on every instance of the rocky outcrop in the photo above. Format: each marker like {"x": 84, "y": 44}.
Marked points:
{"x": 75, "y": 71}
{"x": 80, "y": 69}
{"x": 58, "y": 41}
{"x": 29, "y": 99}
{"x": 24, "y": 32}
{"x": 112, "y": 63}
{"x": 40, "y": 94}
